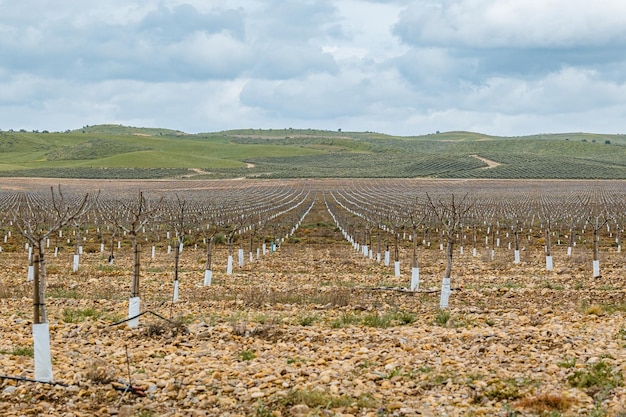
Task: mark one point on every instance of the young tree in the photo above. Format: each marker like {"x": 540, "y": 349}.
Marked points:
{"x": 416, "y": 214}
{"x": 37, "y": 218}
{"x": 131, "y": 217}
{"x": 450, "y": 214}
{"x": 178, "y": 215}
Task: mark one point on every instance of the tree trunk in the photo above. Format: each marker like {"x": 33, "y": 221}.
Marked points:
{"x": 449, "y": 253}
{"x": 414, "y": 264}
{"x": 136, "y": 267}
{"x": 396, "y": 250}
{"x": 209, "y": 253}
{"x": 176, "y": 261}
{"x": 36, "y": 291}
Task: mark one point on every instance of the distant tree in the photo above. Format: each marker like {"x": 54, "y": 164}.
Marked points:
{"x": 607, "y": 142}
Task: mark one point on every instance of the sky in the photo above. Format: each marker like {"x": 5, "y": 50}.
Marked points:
{"x": 500, "y": 67}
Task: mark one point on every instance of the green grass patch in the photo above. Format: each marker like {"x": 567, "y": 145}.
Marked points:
{"x": 346, "y": 319}
{"x": 597, "y": 379}
{"x": 307, "y": 320}
{"x": 317, "y": 399}
{"x": 246, "y": 355}
{"x": 20, "y": 351}
{"x": 78, "y": 315}
{"x": 60, "y": 292}
{"x": 442, "y": 317}
{"x": 375, "y": 319}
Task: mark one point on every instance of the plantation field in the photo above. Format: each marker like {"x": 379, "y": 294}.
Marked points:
{"x": 316, "y": 327}
{"x": 113, "y": 151}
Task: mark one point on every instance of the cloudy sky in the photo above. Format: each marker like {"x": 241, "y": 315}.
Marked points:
{"x": 406, "y": 67}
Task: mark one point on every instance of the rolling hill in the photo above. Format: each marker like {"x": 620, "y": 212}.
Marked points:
{"x": 114, "y": 151}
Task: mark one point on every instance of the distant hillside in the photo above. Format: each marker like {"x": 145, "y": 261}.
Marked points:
{"x": 115, "y": 151}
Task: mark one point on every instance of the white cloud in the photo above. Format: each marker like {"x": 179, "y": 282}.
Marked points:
{"x": 402, "y": 67}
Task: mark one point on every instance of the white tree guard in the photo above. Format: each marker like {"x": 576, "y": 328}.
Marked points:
{"x": 517, "y": 257}
{"x": 80, "y": 249}
{"x": 31, "y": 273}
{"x": 387, "y": 258}
{"x": 134, "y": 308}
{"x": 180, "y": 247}
{"x": 208, "y": 276}
{"x": 596, "y": 268}
{"x": 460, "y": 250}
{"x": 415, "y": 279}
{"x": 264, "y": 249}
{"x": 474, "y": 252}
{"x": 229, "y": 266}
{"x": 569, "y": 251}
{"x": 56, "y": 251}
{"x": 43, "y": 360}
{"x": 549, "y": 265}
{"x": 378, "y": 257}
{"x": 101, "y": 247}
{"x": 75, "y": 262}
{"x": 169, "y": 249}
{"x": 153, "y": 252}
{"x": 396, "y": 266}
{"x": 240, "y": 257}
{"x": 175, "y": 296}
{"x": 445, "y": 293}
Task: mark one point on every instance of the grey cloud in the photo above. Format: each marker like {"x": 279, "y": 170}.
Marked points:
{"x": 522, "y": 39}
{"x": 158, "y": 48}
{"x": 177, "y": 23}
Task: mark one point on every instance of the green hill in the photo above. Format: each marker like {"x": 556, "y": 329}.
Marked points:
{"x": 115, "y": 151}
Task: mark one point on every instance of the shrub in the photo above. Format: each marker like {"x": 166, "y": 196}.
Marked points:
{"x": 546, "y": 403}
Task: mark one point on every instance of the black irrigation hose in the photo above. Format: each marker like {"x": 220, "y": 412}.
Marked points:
{"x": 135, "y": 389}
{"x": 139, "y": 315}
{"x": 22, "y": 379}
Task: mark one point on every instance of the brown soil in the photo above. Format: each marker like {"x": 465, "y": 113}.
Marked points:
{"x": 316, "y": 328}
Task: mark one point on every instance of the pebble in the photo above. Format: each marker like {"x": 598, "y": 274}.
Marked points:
{"x": 490, "y": 340}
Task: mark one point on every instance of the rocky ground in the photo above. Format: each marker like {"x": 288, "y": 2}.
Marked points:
{"x": 317, "y": 329}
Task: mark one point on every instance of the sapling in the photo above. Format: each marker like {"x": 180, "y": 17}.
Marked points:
{"x": 37, "y": 218}
{"x": 450, "y": 215}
